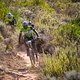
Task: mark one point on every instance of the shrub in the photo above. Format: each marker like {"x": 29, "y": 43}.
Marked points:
{"x": 72, "y": 10}
{"x": 29, "y": 3}
{"x": 67, "y": 58}
{"x": 67, "y": 34}
{"x": 3, "y": 9}
{"x": 15, "y": 13}
{"x": 57, "y": 65}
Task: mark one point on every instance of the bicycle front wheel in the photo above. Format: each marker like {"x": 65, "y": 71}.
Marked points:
{"x": 32, "y": 56}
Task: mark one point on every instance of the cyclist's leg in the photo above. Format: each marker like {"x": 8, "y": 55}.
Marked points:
{"x": 27, "y": 48}
{"x": 30, "y": 56}
{"x": 33, "y": 56}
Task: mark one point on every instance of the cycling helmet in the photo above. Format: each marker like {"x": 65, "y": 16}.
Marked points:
{"x": 25, "y": 24}
{"x": 9, "y": 15}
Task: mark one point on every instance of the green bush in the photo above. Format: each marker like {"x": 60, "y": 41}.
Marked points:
{"x": 3, "y": 9}
{"x": 38, "y": 2}
{"x": 57, "y": 65}
{"x": 32, "y": 3}
{"x": 70, "y": 31}
{"x": 76, "y": 21}
{"x": 29, "y": 3}
{"x": 67, "y": 34}
{"x": 67, "y": 58}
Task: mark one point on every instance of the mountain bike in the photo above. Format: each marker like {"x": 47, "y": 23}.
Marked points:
{"x": 31, "y": 51}
{"x": 30, "y": 48}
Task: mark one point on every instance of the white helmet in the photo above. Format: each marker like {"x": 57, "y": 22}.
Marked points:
{"x": 9, "y": 15}
{"x": 25, "y": 23}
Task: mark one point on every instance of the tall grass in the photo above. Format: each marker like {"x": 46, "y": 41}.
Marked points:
{"x": 30, "y": 3}
{"x": 57, "y": 65}
{"x": 3, "y": 10}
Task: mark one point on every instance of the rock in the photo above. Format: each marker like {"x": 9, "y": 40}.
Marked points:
{"x": 45, "y": 45}
{"x": 64, "y": 78}
{"x": 26, "y": 12}
{"x": 71, "y": 75}
{"x": 46, "y": 77}
{"x": 53, "y": 78}
{"x": 78, "y": 76}
{"x": 48, "y": 49}
{"x": 1, "y": 69}
{"x": 49, "y": 78}
{"x": 62, "y": 23}
{"x": 7, "y": 41}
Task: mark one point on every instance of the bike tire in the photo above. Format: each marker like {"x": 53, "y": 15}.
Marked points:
{"x": 32, "y": 56}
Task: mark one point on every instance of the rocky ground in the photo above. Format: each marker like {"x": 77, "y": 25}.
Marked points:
{"x": 17, "y": 67}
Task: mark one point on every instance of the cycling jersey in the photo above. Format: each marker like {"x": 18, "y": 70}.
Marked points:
{"x": 28, "y": 33}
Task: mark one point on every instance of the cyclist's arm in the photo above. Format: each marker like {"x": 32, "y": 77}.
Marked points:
{"x": 14, "y": 20}
{"x": 35, "y": 32}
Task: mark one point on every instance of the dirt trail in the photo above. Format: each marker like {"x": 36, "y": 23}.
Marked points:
{"x": 13, "y": 70}
{"x": 25, "y": 57}
{"x": 31, "y": 73}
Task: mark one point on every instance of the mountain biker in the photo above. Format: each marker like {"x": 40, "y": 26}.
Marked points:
{"x": 10, "y": 20}
{"x": 28, "y": 32}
